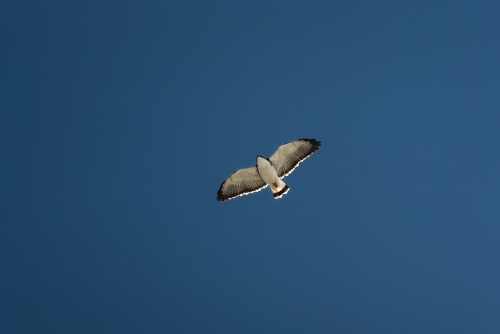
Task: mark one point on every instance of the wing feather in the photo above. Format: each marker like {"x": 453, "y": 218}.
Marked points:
{"x": 288, "y": 156}
{"x": 242, "y": 182}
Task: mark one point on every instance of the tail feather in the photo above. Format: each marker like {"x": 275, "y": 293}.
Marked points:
{"x": 278, "y": 192}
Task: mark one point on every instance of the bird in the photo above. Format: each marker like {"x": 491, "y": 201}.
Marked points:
{"x": 268, "y": 171}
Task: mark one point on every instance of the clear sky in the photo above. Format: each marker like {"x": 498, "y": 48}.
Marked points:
{"x": 119, "y": 120}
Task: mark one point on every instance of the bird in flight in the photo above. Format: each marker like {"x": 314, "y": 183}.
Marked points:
{"x": 268, "y": 171}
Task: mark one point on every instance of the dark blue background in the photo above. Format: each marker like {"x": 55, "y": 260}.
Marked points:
{"x": 119, "y": 120}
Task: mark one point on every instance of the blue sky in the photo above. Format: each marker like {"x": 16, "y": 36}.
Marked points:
{"x": 119, "y": 121}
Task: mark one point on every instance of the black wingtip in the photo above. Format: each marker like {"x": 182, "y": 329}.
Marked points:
{"x": 220, "y": 195}
{"x": 313, "y": 142}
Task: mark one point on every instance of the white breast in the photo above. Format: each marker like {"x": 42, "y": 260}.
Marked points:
{"x": 267, "y": 171}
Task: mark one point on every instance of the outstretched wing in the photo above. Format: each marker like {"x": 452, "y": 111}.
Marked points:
{"x": 242, "y": 182}
{"x": 289, "y": 155}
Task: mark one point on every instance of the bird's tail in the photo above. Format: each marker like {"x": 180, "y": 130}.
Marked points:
{"x": 280, "y": 189}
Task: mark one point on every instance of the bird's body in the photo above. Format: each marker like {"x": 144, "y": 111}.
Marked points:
{"x": 268, "y": 171}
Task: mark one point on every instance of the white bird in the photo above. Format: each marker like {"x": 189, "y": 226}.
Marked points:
{"x": 268, "y": 171}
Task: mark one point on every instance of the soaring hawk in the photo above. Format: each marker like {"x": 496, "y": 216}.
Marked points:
{"x": 268, "y": 171}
